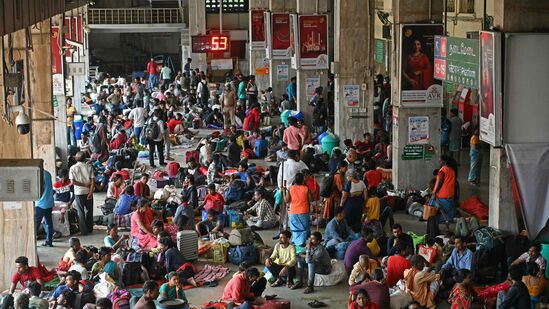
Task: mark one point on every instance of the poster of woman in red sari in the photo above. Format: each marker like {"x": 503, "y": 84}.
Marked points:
{"x": 418, "y": 69}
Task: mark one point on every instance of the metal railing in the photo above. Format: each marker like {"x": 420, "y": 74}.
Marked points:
{"x": 135, "y": 16}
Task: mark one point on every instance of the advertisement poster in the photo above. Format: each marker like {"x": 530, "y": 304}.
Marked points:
{"x": 282, "y": 72}
{"x": 487, "y": 88}
{"x": 310, "y": 85}
{"x": 262, "y": 66}
{"x": 257, "y": 30}
{"x": 351, "y": 95}
{"x": 418, "y": 130}
{"x": 56, "y": 62}
{"x": 313, "y": 42}
{"x": 280, "y": 36}
{"x": 418, "y": 88}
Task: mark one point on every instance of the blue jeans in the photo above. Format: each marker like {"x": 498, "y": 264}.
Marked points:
{"x": 245, "y": 305}
{"x": 153, "y": 81}
{"x": 137, "y": 133}
{"x": 40, "y": 213}
{"x": 71, "y": 137}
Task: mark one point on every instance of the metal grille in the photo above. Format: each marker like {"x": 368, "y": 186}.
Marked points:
{"x": 135, "y": 16}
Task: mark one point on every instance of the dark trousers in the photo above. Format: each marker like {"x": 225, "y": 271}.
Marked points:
{"x": 387, "y": 214}
{"x": 40, "y": 213}
{"x": 159, "y": 148}
{"x": 275, "y": 271}
{"x": 258, "y": 287}
{"x": 84, "y": 207}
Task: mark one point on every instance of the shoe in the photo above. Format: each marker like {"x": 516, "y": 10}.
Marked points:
{"x": 296, "y": 286}
{"x": 269, "y": 297}
{"x": 316, "y": 304}
{"x": 309, "y": 290}
{"x": 47, "y": 245}
{"x": 163, "y": 164}
{"x": 277, "y": 283}
{"x": 153, "y": 166}
{"x": 170, "y": 159}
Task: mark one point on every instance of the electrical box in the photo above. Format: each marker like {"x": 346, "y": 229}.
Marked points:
{"x": 20, "y": 180}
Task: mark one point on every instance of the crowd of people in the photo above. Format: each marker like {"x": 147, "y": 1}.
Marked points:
{"x": 219, "y": 187}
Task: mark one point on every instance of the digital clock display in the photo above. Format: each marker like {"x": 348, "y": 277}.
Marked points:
{"x": 210, "y": 43}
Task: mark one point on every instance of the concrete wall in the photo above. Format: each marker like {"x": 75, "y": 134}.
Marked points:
{"x": 231, "y": 21}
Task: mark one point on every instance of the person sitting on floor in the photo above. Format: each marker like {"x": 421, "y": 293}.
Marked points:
{"x": 517, "y": 296}
{"x": 362, "y": 301}
{"x": 172, "y": 289}
{"x": 534, "y": 283}
{"x": 317, "y": 261}
{"x": 362, "y": 270}
{"x": 461, "y": 258}
{"x": 79, "y": 264}
{"x": 72, "y": 279}
{"x": 397, "y": 264}
{"x": 397, "y": 238}
{"x": 533, "y": 255}
{"x": 338, "y": 231}
{"x": 113, "y": 240}
{"x": 150, "y": 293}
{"x": 126, "y": 203}
{"x": 65, "y": 300}
{"x": 141, "y": 188}
{"x": 422, "y": 285}
{"x": 105, "y": 265}
{"x": 283, "y": 260}
{"x": 265, "y": 216}
{"x": 258, "y": 286}
{"x": 68, "y": 257}
{"x": 357, "y": 248}
{"x": 238, "y": 288}
{"x": 376, "y": 288}
{"x": 214, "y": 200}
{"x": 212, "y": 224}
{"x": 35, "y": 301}
{"x": 172, "y": 256}
{"x": 24, "y": 274}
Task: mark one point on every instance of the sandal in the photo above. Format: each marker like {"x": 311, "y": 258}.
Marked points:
{"x": 317, "y": 304}
{"x": 277, "y": 283}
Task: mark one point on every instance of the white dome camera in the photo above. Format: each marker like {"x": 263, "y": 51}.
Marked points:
{"x": 22, "y": 121}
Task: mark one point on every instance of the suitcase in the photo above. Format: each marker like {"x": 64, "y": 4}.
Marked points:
{"x": 187, "y": 244}
{"x": 241, "y": 254}
{"x": 61, "y": 223}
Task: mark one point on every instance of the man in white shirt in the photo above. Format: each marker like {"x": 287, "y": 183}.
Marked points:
{"x": 166, "y": 76}
{"x": 292, "y": 166}
{"x": 138, "y": 115}
{"x": 81, "y": 176}
{"x": 157, "y": 140}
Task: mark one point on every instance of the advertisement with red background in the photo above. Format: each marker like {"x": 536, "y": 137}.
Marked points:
{"x": 280, "y": 38}
{"x": 56, "y": 61}
{"x": 313, "y": 41}
{"x": 258, "y": 29}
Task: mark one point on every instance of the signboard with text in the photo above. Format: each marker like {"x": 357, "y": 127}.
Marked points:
{"x": 456, "y": 60}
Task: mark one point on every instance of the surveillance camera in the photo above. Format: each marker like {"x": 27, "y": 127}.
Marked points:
{"x": 22, "y": 122}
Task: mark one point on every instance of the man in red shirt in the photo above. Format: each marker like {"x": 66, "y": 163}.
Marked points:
{"x": 24, "y": 274}
{"x": 372, "y": 177}
{"x": 238, "y": 288}
{"x": 141, "y": 188}
{"x": 397, "y": 264}
{"x": 153, "y": 77}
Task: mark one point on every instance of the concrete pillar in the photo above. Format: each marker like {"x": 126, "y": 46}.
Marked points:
{"x": 353, "y": 43}
{"x": 197, "y": 26}
{"x": 412, "y": 173}
{"x": 309, "y": 7}
{"x": 279, "y": 86}
{"x": 258, "y": 55}
{"x": 60, "y": 105}
{"x": 510, "y": 16}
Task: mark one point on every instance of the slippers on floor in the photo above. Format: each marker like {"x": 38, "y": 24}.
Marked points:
{"x": 317, "y": 304}
{"x": 269, "y": 297}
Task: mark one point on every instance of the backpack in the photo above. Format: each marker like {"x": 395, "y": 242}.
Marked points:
{"x": 204, "y": 92}
{"x": 120, "y": 299}
{"x": 239, "y": 237}
{"x": 241, "y": 254}
{"x": 235, "y": 218}
{"x": 260, "y": 148}
{"x": 488, "y": 238}
{"x": 131, "y": 273}
{"x": 172, "y": 169}
{"x": 326, "y": 185}
{"x": 235, "y": 192}
{"x": 152, "y": 131}
{"x": 96, "y": 141}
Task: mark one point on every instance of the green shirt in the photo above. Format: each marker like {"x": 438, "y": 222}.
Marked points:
{"x": 242, "y": 91}
{"x": 171, "y": 293}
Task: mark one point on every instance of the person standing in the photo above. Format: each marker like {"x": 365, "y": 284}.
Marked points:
{"x": 228, "y": 105}
{"x": 474, "y": 170}
{"x": 354, "y": 195}
{"x": 137, "y": 115}
{"x": 187, "y": 67}
{"x": 455, "y": 135}
{"x": 153, "y": 78}
{"x": 241, "y": 91}
{"x": 43, "y": 208}
{"x": 299, "y": 198}
{"x": 291, "y": 90}
{"x": 251, "y": 91}
{"x": 445, "y": 188}
{"x": 71, "y": 111}
{"x": 81, "y": 176}
{"x": 155, "y": 137}
{"x": 165, "y": 73}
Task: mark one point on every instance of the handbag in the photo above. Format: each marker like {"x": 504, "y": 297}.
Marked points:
{"x": 429, "y": 254}
{"x": 430, "y": 210}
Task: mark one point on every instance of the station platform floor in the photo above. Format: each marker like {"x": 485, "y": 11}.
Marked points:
{"x": 334, "y": 297}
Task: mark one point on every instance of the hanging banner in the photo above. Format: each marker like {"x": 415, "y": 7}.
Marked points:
{"x": 56, "y": 62}
{"x": 418, "y": 88}
{"x": 351, "y": 95}
{"x": 280, "y": 36}
{"x": 282, "y": 72}
{"x": 488, "y": 113}
{"x": 418, "y": 130}
{"x": 313, "y": 42}
{"x": 257, "y": 31}
{"x": 310, "y": 85}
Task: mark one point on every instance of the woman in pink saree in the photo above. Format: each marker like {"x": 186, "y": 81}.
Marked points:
{"x": 141, "y": 225}
{"x": 418, "y": 69}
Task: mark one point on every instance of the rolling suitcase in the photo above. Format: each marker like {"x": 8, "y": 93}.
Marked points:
{"x": 187, "y": 243}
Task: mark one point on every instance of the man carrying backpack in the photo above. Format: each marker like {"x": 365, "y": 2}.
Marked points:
{"x": 155, "y": 138}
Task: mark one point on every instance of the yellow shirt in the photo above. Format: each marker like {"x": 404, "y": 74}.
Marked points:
{"x": 372, "y": 209}
{"x": 474, "y": 141}
{"x": 284, "y": 256}
{"x": 70, "y": 115}
{"x": 534, "y": 284}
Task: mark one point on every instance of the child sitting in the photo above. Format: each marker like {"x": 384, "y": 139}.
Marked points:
{"x": 373, "y": 205}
